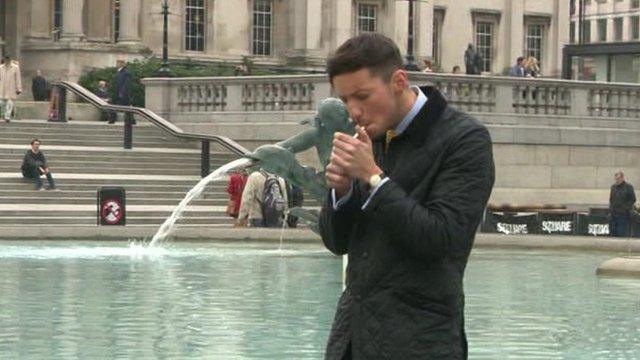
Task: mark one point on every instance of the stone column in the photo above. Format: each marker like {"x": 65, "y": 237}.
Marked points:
{"x": 306, "y": 24}
{"x": 40, "y": 27}
{"x": 129, "y": 21}
{"x": 99, "y": 21}
{"x": 423, "y": 36}
{"x": 516, "y": 32}
{"x": 561, "y": 37}
{"x": 341, "y": 22}
{"x": 72, "y": 15}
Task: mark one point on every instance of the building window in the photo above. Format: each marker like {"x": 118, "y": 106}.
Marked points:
{"x": 602, "y": 30}
{"x": 635, "y": 27}
{"x": 116, "y": 20}
{"x": 587, "y": 31}
{"x": 484, "y": 43}
{"x": 262, "y": 26}
{"x": 617, "y": 29}
{"x": 194, "y": 30}
{"x": 436, "y": 51}
{"x": 57, "y": 19}
{"x": 572, "y": 32}
{"x": 367, "y": 18}
{"x": 534, "y": 42}
{"x": 635, "y": 4}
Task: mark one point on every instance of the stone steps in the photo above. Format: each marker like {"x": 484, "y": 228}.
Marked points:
{"x": 85, "y": 156}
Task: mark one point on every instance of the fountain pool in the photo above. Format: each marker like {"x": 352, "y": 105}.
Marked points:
{"x": 243, "y": 300}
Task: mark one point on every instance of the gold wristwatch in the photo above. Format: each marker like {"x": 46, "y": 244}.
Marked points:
{"x": 375, "y": 180}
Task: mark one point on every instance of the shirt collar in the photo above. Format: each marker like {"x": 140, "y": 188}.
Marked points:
{"x": 417, "y": 105}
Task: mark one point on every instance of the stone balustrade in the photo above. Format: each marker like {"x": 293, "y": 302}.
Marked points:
{"x": 479, "y": 94}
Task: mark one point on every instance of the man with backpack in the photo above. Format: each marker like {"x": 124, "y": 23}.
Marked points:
{"x": 264, "y": 201}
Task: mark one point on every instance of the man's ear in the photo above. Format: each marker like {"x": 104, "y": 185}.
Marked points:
{"x": 399, "y": 80}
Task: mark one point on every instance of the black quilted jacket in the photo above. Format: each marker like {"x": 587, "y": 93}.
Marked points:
{"x": 408, "y": 249}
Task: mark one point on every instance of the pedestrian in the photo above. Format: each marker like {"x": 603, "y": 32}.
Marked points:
{"x": 34, "y": 165}
{"x": 103, "y": 93}
{"x": 39, "y": 87}
{"x": 237, "y": 182}
{"x": 54, "y": 106}
{"x": 518, "y": 69}
{"x": 295, "y": 195}
{"x": 255, "y": 209}
{"x": 123, "y": 82}
{"x": 621, "y": 206}
{"x": 473, "y": 60}
{"x": 10, "y": 85}
{"x": 428, "y": 66}
{"x": 407, "y": 195}
{"x": 456, "y": 70}
{"x": 531, "y": 67}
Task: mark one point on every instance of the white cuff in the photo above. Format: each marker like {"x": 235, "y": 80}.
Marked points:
{"x": 344, "y": 199}
{"x": 374, "y": 191}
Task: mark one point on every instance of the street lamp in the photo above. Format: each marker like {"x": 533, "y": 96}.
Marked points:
{"x": 410, "y": 64}
{"x": 164, "y": 70}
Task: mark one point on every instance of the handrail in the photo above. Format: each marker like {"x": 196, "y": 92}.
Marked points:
{"x": 152, "y": 117}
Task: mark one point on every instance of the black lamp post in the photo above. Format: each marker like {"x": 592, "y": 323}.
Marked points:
{"x": 164, "y": 70}
{"x": 410, "y": 63}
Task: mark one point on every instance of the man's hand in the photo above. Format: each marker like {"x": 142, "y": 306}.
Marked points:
{"x": 353, "y": 157}
{"x": 337, "y": 180}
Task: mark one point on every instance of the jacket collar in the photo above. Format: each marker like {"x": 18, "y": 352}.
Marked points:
{"x": 427, "y": 116}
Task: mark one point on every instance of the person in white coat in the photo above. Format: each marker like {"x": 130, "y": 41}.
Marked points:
{"x": 10, "y": 85}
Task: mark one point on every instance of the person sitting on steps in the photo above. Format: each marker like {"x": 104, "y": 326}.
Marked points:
{"x": 34, "y": 165}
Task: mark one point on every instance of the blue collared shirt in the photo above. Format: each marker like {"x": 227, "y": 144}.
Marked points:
{"x": 421, "y": 100}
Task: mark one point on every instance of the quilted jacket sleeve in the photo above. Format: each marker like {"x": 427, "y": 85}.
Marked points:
{"x": 336, "y": 225}
{"x": 444, "y": 224}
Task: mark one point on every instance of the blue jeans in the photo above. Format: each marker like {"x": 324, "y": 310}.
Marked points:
{"x": 619, "y": 225}
{"x": 34, "y": 173}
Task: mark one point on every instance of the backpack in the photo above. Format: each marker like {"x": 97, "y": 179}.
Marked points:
{"x": 273, "y": 204}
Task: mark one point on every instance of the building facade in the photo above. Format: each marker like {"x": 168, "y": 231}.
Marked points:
{"x": 65, "y": 37}
{"x": 604, "y": 41}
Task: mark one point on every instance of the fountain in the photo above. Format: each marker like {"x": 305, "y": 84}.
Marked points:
{"x": 331, "y": 117}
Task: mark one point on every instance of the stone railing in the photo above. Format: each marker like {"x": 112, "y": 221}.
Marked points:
{"x": 505, "y": 95}
{"x": 236, "y": 94}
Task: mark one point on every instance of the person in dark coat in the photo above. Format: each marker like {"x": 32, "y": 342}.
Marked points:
{"x": 39, "y": 87}
{"x": 470, "y": 57}
{"x": 34, "y": 165}
{"x": 407, "y": 195}
{"x": 518, "y": 69}
{"x": 122, "y": 83}
{"x": 621, "y": 200}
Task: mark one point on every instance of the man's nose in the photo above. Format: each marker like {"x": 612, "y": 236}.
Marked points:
{"x": 355, "y": 112}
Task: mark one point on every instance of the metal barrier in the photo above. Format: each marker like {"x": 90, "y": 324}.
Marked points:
{"x": 63, "y": 86}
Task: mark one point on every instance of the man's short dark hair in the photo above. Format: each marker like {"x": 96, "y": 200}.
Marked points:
{"x": 519, "y": 60}
{"x": 371, "y": 51}
{"x": 34, "y": 140}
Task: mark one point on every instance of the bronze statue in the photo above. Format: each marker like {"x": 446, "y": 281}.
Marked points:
{"x": 332, "y": 116}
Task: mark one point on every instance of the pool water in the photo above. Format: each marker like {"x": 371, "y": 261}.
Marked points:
{"x": 86, "y": 300}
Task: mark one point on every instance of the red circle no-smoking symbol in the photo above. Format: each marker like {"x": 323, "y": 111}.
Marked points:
{"x": 111, "y": 211}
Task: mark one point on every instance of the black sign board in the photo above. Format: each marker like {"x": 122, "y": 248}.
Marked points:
{"x": 593, "y": 225}
{"x": 511, "y": 223}
{"x": 562, "y": 223}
